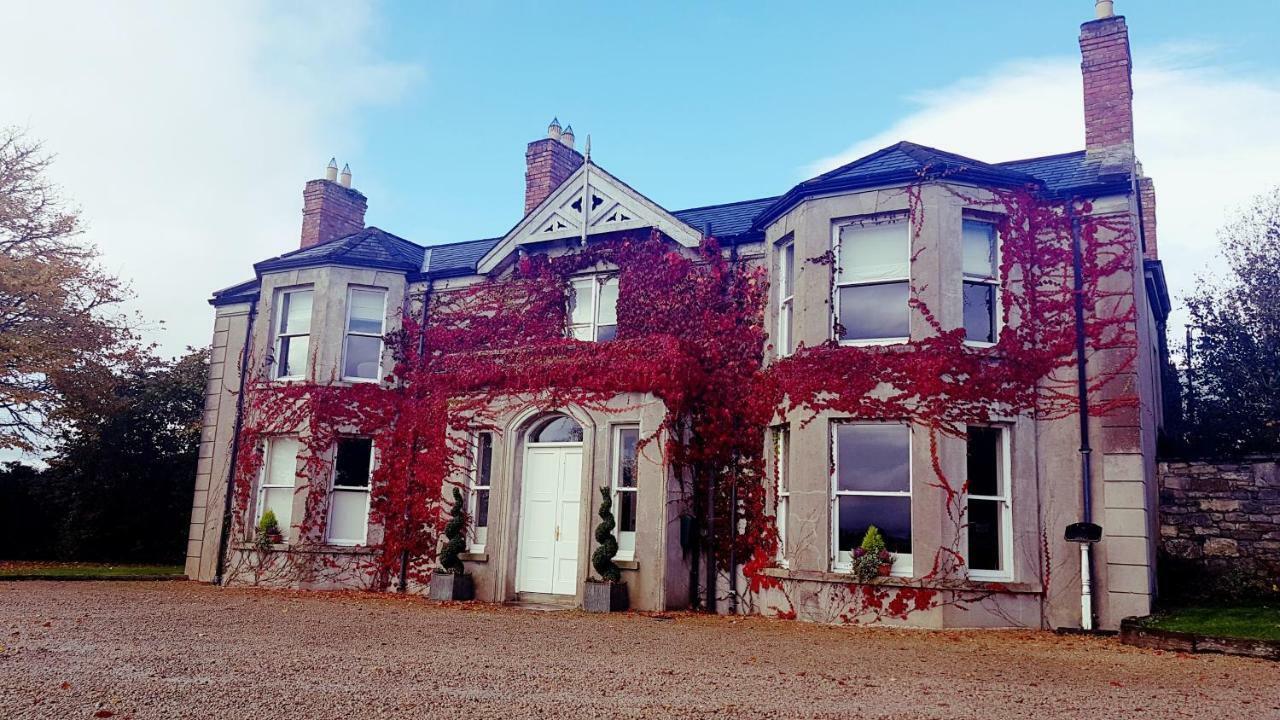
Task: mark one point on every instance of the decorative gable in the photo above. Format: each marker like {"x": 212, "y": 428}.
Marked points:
{"x": 589, "y": 202}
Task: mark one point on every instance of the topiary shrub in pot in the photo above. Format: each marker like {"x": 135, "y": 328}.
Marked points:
{"x": 872, "y": 559}
{"x": 607, "y": 593}
{"x": 269, "y": 529}
{"x": 452, "y": 581}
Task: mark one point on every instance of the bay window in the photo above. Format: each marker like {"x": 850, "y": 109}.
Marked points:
{"x": 872, "y": 283}
{"x": 625, "y": 488}
{"x": 349, "y": 498}
{"x": 871, "y": 485}
{"x": 786, "y": 296}
{"x": 782, "y": 475}
{"x": 277, "y": 478}
{"x": 593, "y": 308}
{"x": 981, "y": 267}
{"x": 293, "y": 333}
{"x": 990, "y": 520}
{"x": 362, "y": 353}
{"x": 478, "y": 500}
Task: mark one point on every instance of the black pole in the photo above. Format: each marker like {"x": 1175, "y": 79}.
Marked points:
{"x": 710, "y": 528}
{"x": 224, "y": 537}
{"x": 1082, "y": 387}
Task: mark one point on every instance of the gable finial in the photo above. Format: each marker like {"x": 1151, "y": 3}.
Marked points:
{"x": 587, "y": 154}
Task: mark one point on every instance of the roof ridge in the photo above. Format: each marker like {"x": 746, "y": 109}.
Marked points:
{"x": 722, "y": 205}
{"x": 1042, "y": 157}
{"x": 835, "y": 171}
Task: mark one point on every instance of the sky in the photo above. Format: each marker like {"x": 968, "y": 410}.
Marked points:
{"x": 184, "y": 131}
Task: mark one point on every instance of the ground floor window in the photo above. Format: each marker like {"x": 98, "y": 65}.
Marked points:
{"x": 349, "y": 500}
{"x": 478, "y": 502}
{"x": 625, "y": 489}
{"x": 990, "y": 517}
{"x": 782, "y": 475}
{"x": 277, "y": 479}
{"x": 871, "y": 485}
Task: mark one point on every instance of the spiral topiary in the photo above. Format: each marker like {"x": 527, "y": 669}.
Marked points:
{"x": 456, "y": 542}
{"x": 602, "y": 558}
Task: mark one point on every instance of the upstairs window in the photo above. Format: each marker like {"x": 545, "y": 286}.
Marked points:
{"x": 872, "y": 486}
{"x": 981, "y": 281}
{"x": 593, "y": 308}
{"x": 990, "y": 517}
{"x": 366, "y": 313}
{"x": 276, "y": 482}
{"x": 349, "y": 500}
{"x": 293, "y": 333}
{"x": 872, "y": 281}
{"x": 782, "y": 473}
{"x": 625, "y": 488}
{"x": 786, "y": 296}
{"x": 481, "y": 477}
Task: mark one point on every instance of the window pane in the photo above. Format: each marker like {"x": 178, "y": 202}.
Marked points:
{"x": 978, "y": 242}
{"x": 787, "y": 283}
{"x": 872, "y": 312}
{"x": 366, "y": 311}
{"x": 628, "y": 439}
{"x": 364, "y": 353}
{"x": 482, "y": 510}
{"x": 626, "y": 545}
{"x": 293, "y": 356}
{"x": 891, "y": 514}
{"x": 873, "y": 252}
{"x": 984, "y": 461}
{"x": 558, "y": 429}
{"x": 484, "y": 459}
{"x": 984, "y": 535}
{"x": 580, "y": 308}
{"x": 627, "y": 511}
{"x": 280, "y": 502}
{"x": 282, "y": 461}
{"x": 605, "y": 333}
{"x": 351, "y": 467}
{"x": 481, "y": 535}
{"x": 874, "y": 457}
{"x": 295, "y": 314}
{"x": 346, "y": 522}
{"x": 582, "y": 332}
{"x": 980, "y": 312}
{"x": 784, "y": 330}
{"x": 608, "y": 314}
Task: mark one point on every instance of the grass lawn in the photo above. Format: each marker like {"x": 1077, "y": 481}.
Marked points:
{"x": 1260, "y": 621}
{"x": 102, "y": 570}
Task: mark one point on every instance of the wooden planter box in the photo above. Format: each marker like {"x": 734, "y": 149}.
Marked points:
{"x": 448, "y": 587}
{"x": 605, "y": 597}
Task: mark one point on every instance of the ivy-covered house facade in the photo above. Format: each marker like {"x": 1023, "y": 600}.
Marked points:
{"x": 890, "y": 344}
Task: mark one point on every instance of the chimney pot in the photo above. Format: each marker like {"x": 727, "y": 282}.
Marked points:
{"x": 331, "y": 172}
{"x": 567, "y": 136}
{"x": 345, "y": 178}
{"x": 1103, "y": 9}
{"x": 554, "y": 130}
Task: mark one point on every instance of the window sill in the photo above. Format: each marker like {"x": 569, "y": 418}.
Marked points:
{"x": 875, "y": 342}
{"x": 475, "y": 557}
{"x": 900, "y": 581}
{"x": 627, "y": 564}
{"x": 315, "y": 549}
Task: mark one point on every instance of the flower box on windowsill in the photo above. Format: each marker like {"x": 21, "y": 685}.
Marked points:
{"x": 315, "y": 549}
{"x": 900, "y": 581}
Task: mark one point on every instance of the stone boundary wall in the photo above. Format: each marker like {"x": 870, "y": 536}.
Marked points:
{"x": 1223, "y": 516}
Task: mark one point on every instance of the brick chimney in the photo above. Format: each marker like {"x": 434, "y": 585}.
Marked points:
{"x": 331, "y": 208}
{"x": 548, "y": 162}
{"x": 1108, "y": 89}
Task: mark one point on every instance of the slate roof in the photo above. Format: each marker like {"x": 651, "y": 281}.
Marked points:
{"x": 743, "y": 221}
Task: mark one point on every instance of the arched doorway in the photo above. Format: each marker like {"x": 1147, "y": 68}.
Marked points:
{"x": 551, "y": 497}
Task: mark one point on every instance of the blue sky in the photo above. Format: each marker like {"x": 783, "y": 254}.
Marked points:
{"x": 185, "y": 134}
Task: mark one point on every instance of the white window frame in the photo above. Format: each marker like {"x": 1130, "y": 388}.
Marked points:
{"x": 786, "y": 303}
{"x": 279, "y": 315}
{"x": 334, "y": 488}
{"x": 618, "y": 489}
{"x": 264, "y": 475}
{"x": 348, "y": 332}
{"x": 836, "y": 285}
{"x": 782, "y": 487}
{"x": 477, "y": 543}
{"x": 597, "y": 280}
{"x": 903, "y": 565}
{"x": 993, "y": 280}
{"x": 1005, "y": 503}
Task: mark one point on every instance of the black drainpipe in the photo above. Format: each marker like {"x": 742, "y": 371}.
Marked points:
{"x": 1082, "y": 388}
{"x": 225, "y": 537}
{"x": 403, "y": 584}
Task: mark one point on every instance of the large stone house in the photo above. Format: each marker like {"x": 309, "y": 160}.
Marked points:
{"x": 320, "y": 313}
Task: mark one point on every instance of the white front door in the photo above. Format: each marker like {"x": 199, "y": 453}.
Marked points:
{"x": 548, "y": 561}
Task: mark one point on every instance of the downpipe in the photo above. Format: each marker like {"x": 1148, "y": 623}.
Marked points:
{"x": 1086, "y": 452}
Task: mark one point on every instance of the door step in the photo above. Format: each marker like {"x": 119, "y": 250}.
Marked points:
{"x": 543, "y": 601}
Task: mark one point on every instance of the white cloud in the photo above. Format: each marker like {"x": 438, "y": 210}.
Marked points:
{"x": 1205, "y": 134}
{"x": 180, "y": 127}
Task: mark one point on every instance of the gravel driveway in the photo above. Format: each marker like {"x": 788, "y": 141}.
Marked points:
{"x": 182, "y": 650}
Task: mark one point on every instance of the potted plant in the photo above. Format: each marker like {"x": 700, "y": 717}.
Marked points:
{"x": 872, "y": 559}
{"x": 269, "y": 529}
{"x": 452, "y": 581}
{"x": 608, "y": 593}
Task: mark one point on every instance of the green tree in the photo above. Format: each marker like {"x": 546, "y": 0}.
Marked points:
{"x": 1233, "y": 376}
{"x": 455, "y": 534}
